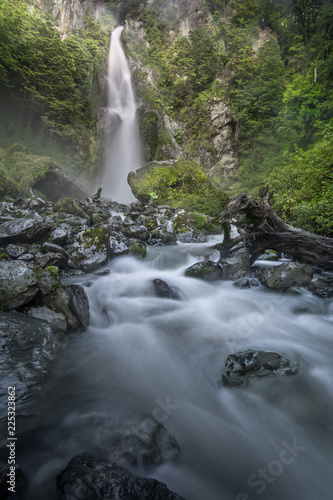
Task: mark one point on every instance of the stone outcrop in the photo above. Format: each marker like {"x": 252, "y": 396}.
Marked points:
{"x": 241, "y": 367}
{"x": 29, "y": 346}
{"x": 90, "y": 477}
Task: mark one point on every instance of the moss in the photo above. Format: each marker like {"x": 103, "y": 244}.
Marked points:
{"x": 97, "y": 237}
{"x": 179, "y": 184}
{"x": 69, "y": 206}
{"x": 138, "y": 249}
{"x": 8, "y": 187}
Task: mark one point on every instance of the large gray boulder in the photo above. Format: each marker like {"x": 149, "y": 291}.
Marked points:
{"x": 93, "y": 478}
{"x": 72, "y": 302}
{"x": 23, "y": 230}
{"x": 91, "y": 249}
{"x": 18, "y": 284}
{"x": 29, "y": 346}
{"x": 207, "y": 270}
{"x": 237, "y": 265}
{"x": 243, "y": 366}
{"x": 287, "y": 275}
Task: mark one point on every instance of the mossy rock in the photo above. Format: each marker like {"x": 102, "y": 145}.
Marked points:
{"x": 98, "y": 237}
{"x": 40, "y": 172}
{"x": 179, "y": 184}
{"x": 8, "y": 187}
{"x": 69, "y": 206}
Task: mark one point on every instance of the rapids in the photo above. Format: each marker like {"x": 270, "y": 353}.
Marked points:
{"x": 144, "y": 355}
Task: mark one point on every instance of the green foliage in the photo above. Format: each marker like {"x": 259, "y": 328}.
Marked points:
{"x": 55, "y": 76}
{"x": 182, "y": 184}
{"x": 23, "y": 169}
{"x": 304, "y": 186}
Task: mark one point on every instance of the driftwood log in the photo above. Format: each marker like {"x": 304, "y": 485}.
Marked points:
{"x": 262, "y": 229}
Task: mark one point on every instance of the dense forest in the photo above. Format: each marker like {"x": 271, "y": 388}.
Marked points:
{"x": 271, "y": 62}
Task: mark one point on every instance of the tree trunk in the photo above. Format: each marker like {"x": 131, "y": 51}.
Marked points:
{"x": 261, "y": 229}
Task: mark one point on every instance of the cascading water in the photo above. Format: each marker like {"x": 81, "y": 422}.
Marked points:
{"x": 148, "y": 356}
{"x": 123, "y": 151}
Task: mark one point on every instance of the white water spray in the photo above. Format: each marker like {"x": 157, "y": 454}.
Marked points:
{"x": 123, "y": 151}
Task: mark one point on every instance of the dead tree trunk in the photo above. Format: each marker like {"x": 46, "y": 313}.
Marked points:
{"x": 261, "y": 229}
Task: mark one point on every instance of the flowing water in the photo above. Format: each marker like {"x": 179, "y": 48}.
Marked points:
{"x": 144, "y": 355}
{"x": 123, "y": 151}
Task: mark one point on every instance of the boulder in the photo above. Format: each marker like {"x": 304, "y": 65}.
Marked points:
{"x": 50, "y": 259}
{"x": 69, "y": 206}
{"x": 72, "y": 302}
{"x": 192, "y": 236}
{"x": 59, "y": 236}
{"x": 137, "y": 248}
{"x": 23, "y": 230}
{"x": 161, "y": 236}
{"x": 93, "y": 478}
{"x": 118, "y": 244}
{"x": 207, "y": 270}
{"x": 287, "y": 275}
{"x": 241, "y": 367}
{"x": 162, "y": 289}
{"x": 18, "y": 284}
{"x": 137, "y": 232}
{"x": 237, "y": 265}
{"x": 29, "y": 346}
{"x": 91, "y": 249}
{"x": 14, "y": 251}
{"x": 242, "y": 283}
{"x": 322, "y": 287}
{"x": 55, "y": 184}
{"x": 54, "y": 248}
{"x": 56, "y": 319}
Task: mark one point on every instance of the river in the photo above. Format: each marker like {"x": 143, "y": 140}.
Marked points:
{"x": 143, "y": 355}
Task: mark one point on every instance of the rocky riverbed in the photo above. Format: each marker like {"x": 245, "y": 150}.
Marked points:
{"x": 48, "y": 248}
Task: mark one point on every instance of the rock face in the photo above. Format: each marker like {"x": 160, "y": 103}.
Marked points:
{"x": 72, "y": 302}
{"x": 222, "y": 124}
{"x": 56, "y": 184}
{"x": 93, "y": 478}
{"x": 29, "y": 346}
{"x": 18, "y": 284}
{"x": 23, "y": 230}
{"x": 207, "y": 270}
{"x": 243, "y": 366}
{"x": 287, "y": 275}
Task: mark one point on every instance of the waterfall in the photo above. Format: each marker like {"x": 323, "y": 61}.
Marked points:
{"x": 123, "y": 151}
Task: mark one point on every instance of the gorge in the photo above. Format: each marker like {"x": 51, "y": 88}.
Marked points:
{"x": 155, "y": 342}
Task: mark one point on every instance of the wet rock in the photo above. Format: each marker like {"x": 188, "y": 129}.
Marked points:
{"x": 69, "y": 206}
{"x": 29, "y": 346}
{"x": 15, "y": 251}
{"x": 163, "y": 290}
{"x": 207, "y": 270}
{"x": 59, "y": 236}
{"x": 104, "y": 272}
{"x": 56, "y": 319}
{"x": 53, "y": 248}
{"x": 161, "y": 236}
{"x": 18, "y": 284}
{"x": 137, "y": 248}
{"x": 242, "y": 283}
{"x": 243, "y": 366}
{"x": 50, "y": 259}
{"x": 137, "y": 232}
{"x": 97, "y": 479}
{"x": 322, "y": 287}
{"x": 150, "y": 222}
{"x": 48, "y": 280}
{"x": 91, "y": 249}
{"x": 238, "y": 264}
{"x": 23, "y": 230}
{"x": 270, "y": 255}
{"x": 27, "y": 257}
{"x": 287, "y": 275}
{"x": 118, "y": 245}
{"x": 72, "y": 302}
{"x": 192, "y": 236}
{"x": 56, "y": 183}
